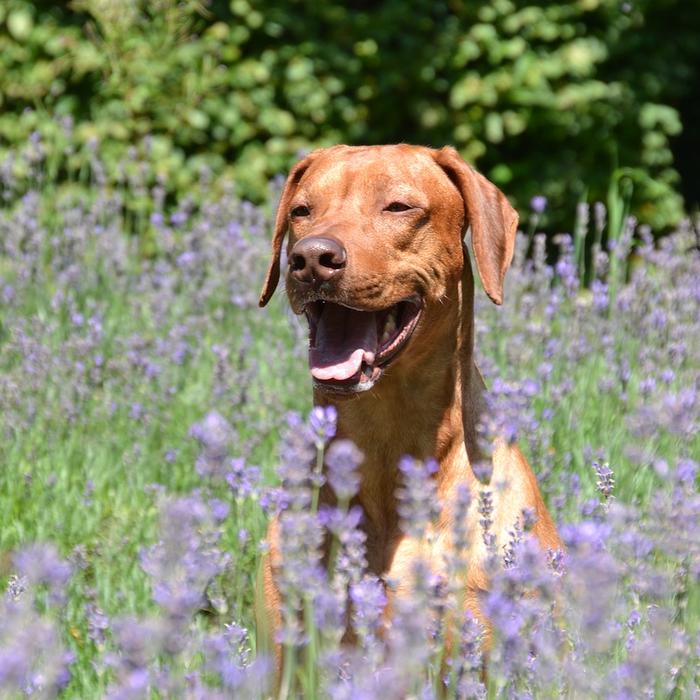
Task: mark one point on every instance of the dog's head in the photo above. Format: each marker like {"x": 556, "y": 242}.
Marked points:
{"x": 375, "y": 249}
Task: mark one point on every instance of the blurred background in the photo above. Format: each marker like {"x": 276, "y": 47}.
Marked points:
{"x": 569, "y": 100}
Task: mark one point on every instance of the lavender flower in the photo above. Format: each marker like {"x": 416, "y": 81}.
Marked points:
{"x": 461, "y": 537}
{"x": 182, "y": 564}
{"x": 368, "y": 603}
{"x": 350, "y": 562}
{"x": 297, "y": 469}
{"x": 417, "y": 496}
{"x": 243, "y": 479}
{"x": 414, "y": 623}
{"x": 343, "y": 459}
{"x": 215, "y": 436}
{"x": 301, "y": 575}
{"x": 606, "y": 479}
{"x": 486, "y": 511}
{"x": 686, "y": 471}
{"x": 465, "y": 667}
{"x": 538, "y": 204}
{"x": 322, "y": 420}
{"x": 41, "y": 565}
{"x": 98, "y": 623}
{"x": 228, "y": 655}
{"x": 33, "y": 660}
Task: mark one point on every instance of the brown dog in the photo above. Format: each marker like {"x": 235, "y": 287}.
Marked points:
{"x": 378, "y": 266}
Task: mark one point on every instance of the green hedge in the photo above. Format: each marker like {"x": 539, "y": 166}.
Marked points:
{"x": 554, "y": 98}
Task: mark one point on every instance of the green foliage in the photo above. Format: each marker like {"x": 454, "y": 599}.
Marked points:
{"x": 548, "y": 98}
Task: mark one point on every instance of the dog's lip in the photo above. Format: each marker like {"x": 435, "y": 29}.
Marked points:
{"x": 349, "y": 387}
{"x": 406, "y": 313}
{"x": 311, "y": 299}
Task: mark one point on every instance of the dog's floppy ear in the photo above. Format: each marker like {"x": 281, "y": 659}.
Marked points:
{"x": 281, "y": 224}
{"x": 492, "y": 219}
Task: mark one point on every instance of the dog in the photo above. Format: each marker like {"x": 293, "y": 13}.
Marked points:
{"x": 377, "y": 265}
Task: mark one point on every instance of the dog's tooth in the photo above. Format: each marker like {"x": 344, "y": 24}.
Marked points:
{"x": 389, "y": 327}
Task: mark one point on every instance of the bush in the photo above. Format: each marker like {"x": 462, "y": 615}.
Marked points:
{"x": 557, "y": 99}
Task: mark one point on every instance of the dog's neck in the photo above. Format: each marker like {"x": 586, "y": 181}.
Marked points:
{"x": 429, "y": 410}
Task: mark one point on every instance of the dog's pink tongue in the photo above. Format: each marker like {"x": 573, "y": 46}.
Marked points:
{"x": 343, "y": 336}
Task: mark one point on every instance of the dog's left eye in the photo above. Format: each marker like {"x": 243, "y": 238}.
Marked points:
{"x": 398, "y": 206}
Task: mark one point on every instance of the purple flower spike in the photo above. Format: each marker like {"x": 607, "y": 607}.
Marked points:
{"x": 42, "y": 565}
{"x": 322, "y": 420}
{"x": 418, "y": 503}
{"x": 98, "y": 623}
{"x": 686, "y": 471}
{"x": 538, "y": 204}
{"x": 343, "y": 458}
{"x": 606, "y": 479}
{"x": 213, "y": 432}
{"x": 243, "y": 478}
{"x": 185, "y": 560}
{"x": 369, "y": 600}
{"x": 215, "y": 435}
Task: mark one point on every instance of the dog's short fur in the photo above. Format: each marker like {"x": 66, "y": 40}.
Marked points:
{"x": 382, "y": 225}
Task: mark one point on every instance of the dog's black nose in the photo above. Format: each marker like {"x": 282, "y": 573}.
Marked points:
{"x": 316, "y": 259}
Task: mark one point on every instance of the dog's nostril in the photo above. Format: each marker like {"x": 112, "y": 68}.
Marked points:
{"x": 332, "y": 260}
{"x": 297, "y": 262}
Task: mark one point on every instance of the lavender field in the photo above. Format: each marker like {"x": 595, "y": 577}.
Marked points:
{"x": 152, "y": 417}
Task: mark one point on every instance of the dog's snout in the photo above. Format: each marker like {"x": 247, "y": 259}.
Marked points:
{"x": 317, "y": 259}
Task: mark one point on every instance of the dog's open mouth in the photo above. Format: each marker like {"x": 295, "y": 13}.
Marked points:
{"x": 349, "y": 348}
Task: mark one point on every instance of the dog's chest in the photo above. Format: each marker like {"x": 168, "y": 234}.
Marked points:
{"x": 391, "y": 554}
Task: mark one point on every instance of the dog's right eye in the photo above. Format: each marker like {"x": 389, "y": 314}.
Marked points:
{"x": 398, "y": 206}
{"x": 301, "y": 210}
